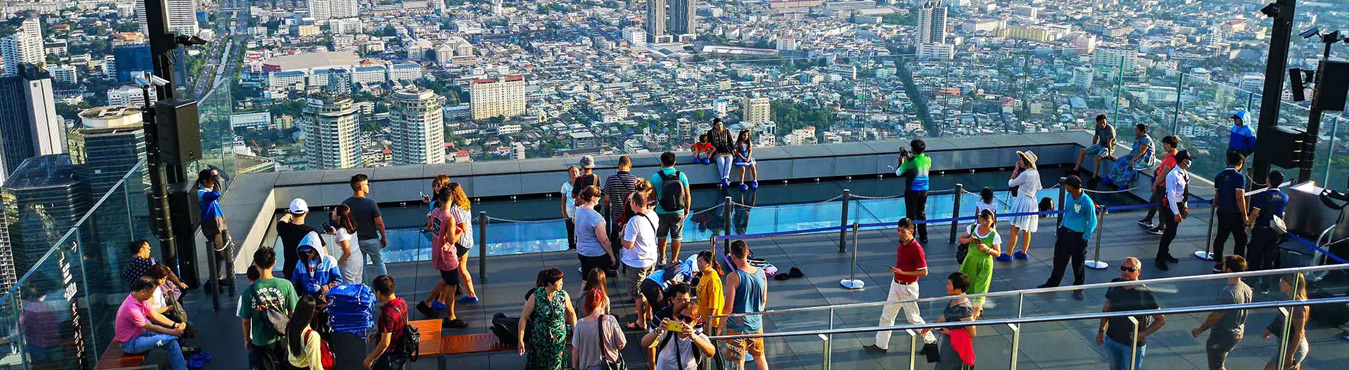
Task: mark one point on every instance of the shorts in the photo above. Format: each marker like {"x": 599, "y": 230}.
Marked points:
{"x": 1218, "y": 346}
{"x": 654, "y": 294}
{"x": 461, "y": 251}
{"x": 1099, "y": 150}
{"x": 450, "y": 277}
{"x": 745, "y": 162}
{"x": 671, "y": 224}
{"x": 633, "y": 277}
{"x": 738, "y": 347}
{"x": 1298, "y": 356}
{"x": 210, "y": 227}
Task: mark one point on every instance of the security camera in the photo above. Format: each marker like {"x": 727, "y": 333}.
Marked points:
{"x": 1271, "y": 10}
{"x": 191, "y": 40}
{"x": 145, "y": 79}
{"x": 1310, "y": 33}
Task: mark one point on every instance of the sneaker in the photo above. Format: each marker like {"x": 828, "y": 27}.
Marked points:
{"x": 744, "y": 186}
{"x": 1005, "y": 258}
{"x": 874, "y": 348}
{"x": 190, "y": 350}
{"x": 456, "y": 324}
{"x": 1021, "y": 255}
{"x": 1155, "y": 231}
{"x": 1077, "y": 294}
{"x": 469, "y": 300}
{"x": 1146, "y": 224}
{"x": 754, "y": 184}
{"x": 436, "y": 305}
{"x": 425, "y": 309}
{"x": 1218, "y": 268}
{"x": 1170, "y": 258}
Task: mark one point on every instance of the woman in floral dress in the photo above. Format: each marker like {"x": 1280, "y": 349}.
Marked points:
{"x": 552, "y": 312}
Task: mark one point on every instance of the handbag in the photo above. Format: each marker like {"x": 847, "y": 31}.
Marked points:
{"x": 606, "y": 364}
{"x": 932, "y": 352}
{"x": 329, "y": 362}
{"x": 1280, "y": 228}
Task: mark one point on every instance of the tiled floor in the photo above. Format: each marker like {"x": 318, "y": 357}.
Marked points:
{"x": 1053, "y": 345}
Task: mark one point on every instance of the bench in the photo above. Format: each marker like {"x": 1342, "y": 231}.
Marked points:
{"x": 431, "y": 340}
{"x": 474, "y": 343}
{"x": 113, "y": 358}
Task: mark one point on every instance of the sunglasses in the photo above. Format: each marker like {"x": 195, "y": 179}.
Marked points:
{"x": 1128, "y": 269}
{"x": 685, "y": 318}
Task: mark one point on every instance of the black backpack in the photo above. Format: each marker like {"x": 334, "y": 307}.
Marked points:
{"x": 671, "y": 192}
{"x": 701, "y": 361}
{"x": 412, "y": 340}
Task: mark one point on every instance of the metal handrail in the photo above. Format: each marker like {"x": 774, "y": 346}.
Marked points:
{"x": 1058, "y": 289}
{"x": 1053, "y": 318}
{"x": 76, "y": 226}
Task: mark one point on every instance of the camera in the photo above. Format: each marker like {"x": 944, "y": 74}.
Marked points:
{"x": 674, "y": 326}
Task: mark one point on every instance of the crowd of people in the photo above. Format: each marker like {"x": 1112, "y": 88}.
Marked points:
{"x": 680, "y": 303}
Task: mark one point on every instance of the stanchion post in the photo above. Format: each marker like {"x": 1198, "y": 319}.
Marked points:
{"x": 852, "y": 274}
{"x": 1059, "y": 216}
{"x": 482, "y": 246}
{"x": 1208, "y": 242}
{"x": 955, "y": 211}
{"x": 726, "y": 248}
{"x": 843, "y": 220}
{"x": 1096, "y": 263}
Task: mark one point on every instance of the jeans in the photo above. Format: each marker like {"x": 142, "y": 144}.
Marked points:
{"x": 1263, "y": 254}
{"x": 371, "y": 248}
{"x": 270, "y": 357}
{"x": 900, "y": 292}
{"x": 1158, "y": 194}
{"x": 151, "y": 340}
{"x": 1230, "y": 224}
{"x": 390, "y": 362}
{"x": 1069, "y": 245}
{"x": 915, "y": 208}
{"x": 1121, "y": 354}
{"x": 571, "y": 234}
{"x": 724, "y": 166}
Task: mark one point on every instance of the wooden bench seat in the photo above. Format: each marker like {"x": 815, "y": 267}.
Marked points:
{"x": 474, "y": 343}
{"x": 113, "y": 358}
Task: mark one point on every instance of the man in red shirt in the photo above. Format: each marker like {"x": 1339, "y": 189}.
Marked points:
{"x": 910, "y": 265}
{"x": 392, "y": 318}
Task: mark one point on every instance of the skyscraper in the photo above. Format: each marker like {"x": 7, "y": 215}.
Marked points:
{"x": 330, "y": 123}
{"x": 131, "y": 59}
{"x": 756, "y": 109}
{"x": 29, "y": 125}
{"x": 109, "y": 144}
{"x": 343, "y": 8}
{"x": 655, "y": 22}
{"x": 932, "y": 23}
{"x": 497, "y": 97}
{"x": 182, "y": 16}
{"x": 418, "y": 127}
{"x": 320, "y": 10}
{"x": 683, "y": 20}
{"x": 24, "y": 46}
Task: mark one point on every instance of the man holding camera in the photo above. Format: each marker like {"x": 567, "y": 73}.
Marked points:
{"x": 914, "y": 167}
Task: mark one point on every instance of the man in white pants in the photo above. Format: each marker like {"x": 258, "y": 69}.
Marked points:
{"x": 910, "y": 265}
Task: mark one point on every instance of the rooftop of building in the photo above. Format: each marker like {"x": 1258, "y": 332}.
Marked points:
{"x": 315, "y": 60}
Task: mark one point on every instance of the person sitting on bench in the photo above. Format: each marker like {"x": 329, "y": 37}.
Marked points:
{"x": 139, "y": 329}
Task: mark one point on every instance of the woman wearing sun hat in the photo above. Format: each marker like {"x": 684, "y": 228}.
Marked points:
{"x": 1026, "y": 181}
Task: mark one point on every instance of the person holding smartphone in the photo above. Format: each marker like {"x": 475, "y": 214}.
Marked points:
{"x": 676, "y": 340}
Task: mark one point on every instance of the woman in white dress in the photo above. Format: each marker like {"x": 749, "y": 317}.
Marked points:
{"x": 1026, "y": 180}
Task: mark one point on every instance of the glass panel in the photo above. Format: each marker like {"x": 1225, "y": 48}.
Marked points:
{"x": 57, "y": 331}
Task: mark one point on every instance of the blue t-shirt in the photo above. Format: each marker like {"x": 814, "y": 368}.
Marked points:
{"x": 1226, "y": 185}
{"x": 657, "y": 181}
{"x": 1270, "y": 203}
{"x": 587, "y": 242}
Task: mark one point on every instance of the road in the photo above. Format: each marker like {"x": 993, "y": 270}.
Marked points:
{"x": 219, "y": 63}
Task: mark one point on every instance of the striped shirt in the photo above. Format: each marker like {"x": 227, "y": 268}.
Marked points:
{"x": 618, "y": 187}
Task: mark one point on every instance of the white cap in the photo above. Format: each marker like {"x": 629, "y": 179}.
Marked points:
{"x": 298, "y": 206}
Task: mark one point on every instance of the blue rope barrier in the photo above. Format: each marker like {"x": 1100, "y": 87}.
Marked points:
{"x": 716, "y": 238}
{"x": 1312, "y": 245}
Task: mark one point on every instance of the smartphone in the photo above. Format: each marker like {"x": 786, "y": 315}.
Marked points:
{"x": 328, "y": 227}
{"x": 674, "y": 326}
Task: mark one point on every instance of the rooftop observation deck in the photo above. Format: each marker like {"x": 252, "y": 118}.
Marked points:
{"x": 1053, "y": 345}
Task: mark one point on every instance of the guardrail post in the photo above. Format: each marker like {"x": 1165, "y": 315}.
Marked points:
{"x": 955, "y": 211}
{"x": 843, "y": 221}
{"x": 482, "y": 246}
{"x": 1096, "y": 263}
{"x": 913, "y": 349}
{"x": 1207, "y": 253}
{"x": 1133, "y": 353}
{"x": 726, "y": 247}
{"x": 1059, "y": 216}
{"x": 1016, "y": 343}
{"x": 852, "y": 282}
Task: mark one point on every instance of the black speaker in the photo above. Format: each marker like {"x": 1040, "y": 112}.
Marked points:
{"x": 179, "y": 131}
{"x": 185, "y": 215}
{"x": 1281, "y": 146}
{"x": 1332, "y": 86}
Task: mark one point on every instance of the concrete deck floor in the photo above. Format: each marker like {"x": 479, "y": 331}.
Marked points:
{"x": 1057, "y": 345}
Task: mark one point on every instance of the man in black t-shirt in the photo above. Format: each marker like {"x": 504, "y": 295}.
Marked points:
{"x": 1117, "y": 334}
{"x": 291, "y": 229}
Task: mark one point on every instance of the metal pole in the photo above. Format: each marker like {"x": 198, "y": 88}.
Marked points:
{"x": 1207, "y": 253}
{"x": 1334, "y": 130}
{"x": 1281, "y": 31}
{"x": 1096, "y": 263}
{"x": 1061, "y": 198}
{"x": 1175, "y": 119}
{"x": 829, "y": 342}
{"x": 843, "y": 221}
{"x": 955, "y": 211}
{"x": 1016, "y": 343}
{"x": 726, "y": 244}
{"x": 1133, "y": 352}
{"x": 130, "y": 219}
{"x": 852, "y": 274}
{"x": 1283, "y": 337}
{"x": 913, "y": 349}
{"x": 482, "y": 246}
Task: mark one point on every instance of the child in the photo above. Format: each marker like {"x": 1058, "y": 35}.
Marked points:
{"x": 1046, "y": 205}
{"x": 744, "y": 158}
{"x": 702, "y": 150}
{"x": 444, "y": 257}
{"x": 985, "y": 202}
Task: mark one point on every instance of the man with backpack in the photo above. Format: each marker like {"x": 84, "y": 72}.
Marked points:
{"x": 395, "y": 339}
{"x": 672, "y": 194}
{"x": 265, "y": 309}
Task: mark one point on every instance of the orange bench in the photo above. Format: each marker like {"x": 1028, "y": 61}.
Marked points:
{"x": 113, "y": 358}
{"x": 474, "y": 343}
{"x": 431, "y": 339}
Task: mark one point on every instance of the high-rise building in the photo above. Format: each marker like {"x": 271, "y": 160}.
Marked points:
{"x": 655, "y": 22}
{"x": 131, "y": 59}
{"x": 333, "y": 9}
{"x": 329, "y": 123}
{"x": 29, "y": 126}
{"x": 517, "y": 151}
{"x": 24, "y": 46}
{"x": 1115, "y": 58}
{"x": 636, "y": 37}
{"x": 756, "y": 109}
{"x": 418, "y": 127}
{"x": 932, "y": 23}
{"x": 320, "y": 10}
{"x": 497, "y": 97}
{"x": 1082, "y": 77}
{"x": 182, "y": 16}
{"x": 683, "y": 20}
{"x": 107, "y": 146}
{"x": 130, "y": 95}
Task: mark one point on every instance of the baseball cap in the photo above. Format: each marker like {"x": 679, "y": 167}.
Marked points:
{"x": 298, "y": 206}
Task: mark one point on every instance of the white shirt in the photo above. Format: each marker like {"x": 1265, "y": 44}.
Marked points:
{"x": 1027, "y": 183}
{"x": 667, "y": 360}
{"x": 566, "y": 197}
{"x": 642, "y": 235}
{"x": 980, "y": 206}
{"x": 344, "y": 236}
{"x": 1176, "y": 181}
